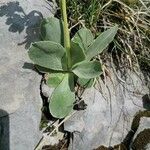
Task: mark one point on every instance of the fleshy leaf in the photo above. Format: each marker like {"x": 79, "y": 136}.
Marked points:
{"x": 48, "y": 54}
{"x": 42, "y": 69}
{"x": 84, "y": 37}
{"x": 77, "y": 54}
{"x": 52, "y": 30}
{"x": 101, "y": 42}
{"x": 62, "y": 99}
{"x": 54, "y": 79}
{"x": 87, "y": 70}
{"x": 86, "y": 83}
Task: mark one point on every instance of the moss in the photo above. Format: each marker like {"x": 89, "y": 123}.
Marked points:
{"x": 101, "y": 148}
{"x": 142, "y": 139}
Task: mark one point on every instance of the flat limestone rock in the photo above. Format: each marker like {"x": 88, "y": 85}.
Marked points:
{"x": 20, "y": 100}
{"x": 111, "y": 108}
{"x": 19, "y": 26}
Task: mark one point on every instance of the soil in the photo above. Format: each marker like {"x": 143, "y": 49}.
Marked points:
{"x": 117, "y": 147}
{"x": 62, "y": 145}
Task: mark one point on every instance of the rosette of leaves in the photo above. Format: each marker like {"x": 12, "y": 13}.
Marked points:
{"x": 50, "y": 56}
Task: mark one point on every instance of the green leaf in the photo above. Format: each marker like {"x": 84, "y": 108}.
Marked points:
{"x": 77, "y": 54}
{"x": 52, "y": 30}
{"x": 84, "y": 37}
{"x": 87, "y": 70}
{"x": 62, "y": 99}
{"x": 101, "y": 42}
{"x": 42, "y": 69}
{"x": 54, "y": 79}
{"x": 48, "y": 54}
{"x": 86, "y": 83}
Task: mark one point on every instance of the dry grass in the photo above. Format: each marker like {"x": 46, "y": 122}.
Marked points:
{"x": 131, "y": 45}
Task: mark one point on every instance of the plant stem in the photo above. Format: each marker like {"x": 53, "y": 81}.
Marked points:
{"x": 66, "y": 31}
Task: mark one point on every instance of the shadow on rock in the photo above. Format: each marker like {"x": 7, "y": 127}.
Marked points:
{"x": 29, "y": 66}
{"x": 146, "y": 101}
{"x": 19, "y": 21}
{"x": 4, "y": 130}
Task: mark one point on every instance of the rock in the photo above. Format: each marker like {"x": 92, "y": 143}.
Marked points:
{"x": 46, "y": 90}
{"x": 20, "y": 100}
{"x": 109, "y": 114}
{"x": 71, "y": 125}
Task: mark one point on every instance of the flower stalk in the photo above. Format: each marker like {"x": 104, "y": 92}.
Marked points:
{"x": 66, "y": 31}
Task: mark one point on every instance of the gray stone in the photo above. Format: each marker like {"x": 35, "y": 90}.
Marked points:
{"x": 46, "y": 90}
{"x": 20, "y": 100}
{"x": 147, "y": 147}
{"x": 109, "y": 114}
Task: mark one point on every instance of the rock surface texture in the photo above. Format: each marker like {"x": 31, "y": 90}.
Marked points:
{"x": 110, "y": 115}
{"x": 20, "y": 101}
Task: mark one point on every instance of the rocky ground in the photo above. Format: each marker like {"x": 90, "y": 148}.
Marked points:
{"x": 118, "y": 107}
